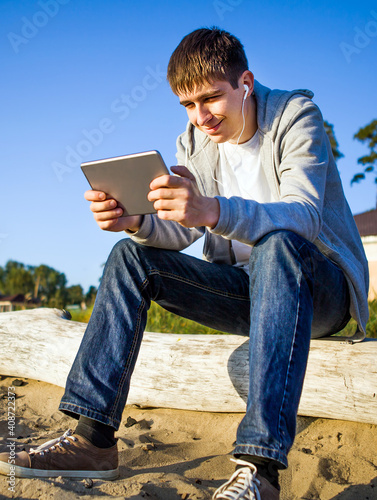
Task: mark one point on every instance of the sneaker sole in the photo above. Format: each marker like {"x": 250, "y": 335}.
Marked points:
{"x": 17, "y": 471}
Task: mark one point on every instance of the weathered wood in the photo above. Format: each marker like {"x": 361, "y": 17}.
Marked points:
{"x": 194, "y": 372}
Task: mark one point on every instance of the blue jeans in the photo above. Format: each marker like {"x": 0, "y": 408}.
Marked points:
{"x": 293, "y": 293}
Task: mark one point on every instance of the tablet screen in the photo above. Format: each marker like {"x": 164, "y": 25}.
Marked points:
{"x": 126, "y": 179}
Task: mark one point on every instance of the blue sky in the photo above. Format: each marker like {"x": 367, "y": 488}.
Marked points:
{"x": 68, "y": 64}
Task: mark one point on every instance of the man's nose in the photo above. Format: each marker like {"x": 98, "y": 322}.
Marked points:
{"x": 203, "y": 115}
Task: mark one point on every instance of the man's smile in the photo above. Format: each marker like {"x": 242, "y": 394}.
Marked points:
{"x": 213, "y": 128}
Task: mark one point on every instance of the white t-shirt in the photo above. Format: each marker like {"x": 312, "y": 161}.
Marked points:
{"x": 240, "y": 173}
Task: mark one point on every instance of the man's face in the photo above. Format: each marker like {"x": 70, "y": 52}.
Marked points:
{"x": 215, "y": 109}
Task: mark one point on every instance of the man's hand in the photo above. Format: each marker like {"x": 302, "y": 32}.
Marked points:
{"x": 108, "y": 215}
{"x": 177, "y": 197}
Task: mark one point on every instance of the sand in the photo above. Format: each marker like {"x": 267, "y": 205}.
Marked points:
{"x": 174, "y": 454}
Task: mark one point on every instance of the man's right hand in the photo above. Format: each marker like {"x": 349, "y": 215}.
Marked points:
{"x": 108, "y": 215}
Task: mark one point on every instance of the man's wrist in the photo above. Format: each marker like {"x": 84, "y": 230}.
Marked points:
{"x": 136, "y": 227}
{"x": 213, "y": 213}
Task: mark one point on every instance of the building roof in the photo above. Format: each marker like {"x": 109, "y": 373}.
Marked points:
{"x": 13, "y": 298}
{"x": 367, "y": 223}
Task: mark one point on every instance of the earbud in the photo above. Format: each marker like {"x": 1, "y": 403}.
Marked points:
{"x": 246, "y": 91}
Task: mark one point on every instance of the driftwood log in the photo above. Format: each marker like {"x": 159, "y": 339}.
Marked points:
{"x": 194, "y": 372}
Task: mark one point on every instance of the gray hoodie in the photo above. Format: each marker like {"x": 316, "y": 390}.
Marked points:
{"x": 308, "y": 196}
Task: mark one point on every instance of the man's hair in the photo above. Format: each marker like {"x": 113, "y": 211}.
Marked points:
{"x": 204, "y": 56}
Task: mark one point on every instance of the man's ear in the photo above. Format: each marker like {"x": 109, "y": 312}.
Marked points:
{"x": 247, "y": 78}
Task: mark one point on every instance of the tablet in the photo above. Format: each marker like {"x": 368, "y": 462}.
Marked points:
{"x": 126, "y": 179}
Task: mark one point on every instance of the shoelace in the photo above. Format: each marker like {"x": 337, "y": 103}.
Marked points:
{"x": 243, "y": 484}
{"x": 53, "y": 443}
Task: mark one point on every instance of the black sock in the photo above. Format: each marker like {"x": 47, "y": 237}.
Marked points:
{"x": 97, "y": 433}
{"x": 266, "y": 468}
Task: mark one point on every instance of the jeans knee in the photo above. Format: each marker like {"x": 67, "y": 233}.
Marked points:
{"x": 130, "y": 253}
{"x": 122, "y": 250}
{"x": 124, "y": 245}
{"x": 276, "y": 242}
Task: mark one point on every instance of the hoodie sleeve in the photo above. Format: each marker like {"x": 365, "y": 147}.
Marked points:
{"x": 301, "y": 156}
{"x": 169, "y": 235}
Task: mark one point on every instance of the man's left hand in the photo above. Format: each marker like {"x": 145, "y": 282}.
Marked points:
{"x": 177, "y": 197}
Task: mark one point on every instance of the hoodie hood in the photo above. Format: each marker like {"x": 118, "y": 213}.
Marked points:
{"x": 271, "y": 105}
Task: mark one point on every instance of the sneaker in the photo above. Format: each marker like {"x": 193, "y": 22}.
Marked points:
{"x": 69, "y": 455}
{"x": 246, "y": 484}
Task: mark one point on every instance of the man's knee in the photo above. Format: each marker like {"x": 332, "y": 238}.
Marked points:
{"x": 124, "y": 251}
{"x": 123, "y": 246}
{"x": 285, "y": 248}
{"x": 129, "y": 252}
{"x": 275, "y": 242}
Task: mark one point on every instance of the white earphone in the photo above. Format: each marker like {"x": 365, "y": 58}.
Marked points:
{"x": 246, "y": 91}
{"x": 247, "y": 88}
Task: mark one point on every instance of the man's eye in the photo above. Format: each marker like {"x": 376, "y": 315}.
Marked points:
{"x": 211, "y": 98}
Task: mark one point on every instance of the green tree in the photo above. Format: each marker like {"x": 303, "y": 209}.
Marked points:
{"x": 16, "y": 278}
{"x": 42, "y": 282}
{"x": 50, "y": 286}
{"x": 75, "y": 294}
{"x": 58, "y": 299}
{"x": 329, "y": 129}
{"x": 2, "y": 277}
{"x": 90, "y": 296}
{"x": 367, "y": 135}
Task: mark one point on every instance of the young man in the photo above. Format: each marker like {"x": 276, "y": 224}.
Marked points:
{"x": 283, "y": 263}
